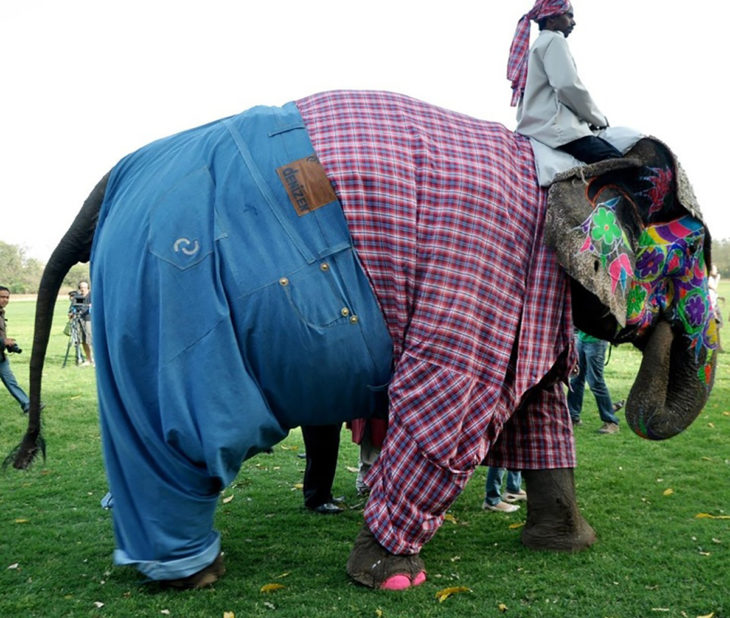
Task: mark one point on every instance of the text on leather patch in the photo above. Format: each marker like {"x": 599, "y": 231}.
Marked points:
{"x": 306, "y": 184}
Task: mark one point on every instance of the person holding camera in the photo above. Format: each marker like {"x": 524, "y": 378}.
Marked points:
{"x": 81, "y": 310}
{"x": 9, "y": 345}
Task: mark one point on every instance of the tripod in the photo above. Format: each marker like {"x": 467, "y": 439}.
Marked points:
{"x": 75, "y": 340}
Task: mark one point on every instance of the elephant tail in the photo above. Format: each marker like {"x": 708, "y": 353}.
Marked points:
{"x": 75, "y": 246}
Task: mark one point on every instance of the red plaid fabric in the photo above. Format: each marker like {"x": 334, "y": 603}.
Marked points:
{"x": 517, "y": 62}
{"x": 447, "y": 218}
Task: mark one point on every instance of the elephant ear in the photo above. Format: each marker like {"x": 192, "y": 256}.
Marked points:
{"x": 596, "y": 214}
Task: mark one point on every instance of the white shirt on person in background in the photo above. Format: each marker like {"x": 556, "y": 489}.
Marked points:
{"x": 556, "y": 107}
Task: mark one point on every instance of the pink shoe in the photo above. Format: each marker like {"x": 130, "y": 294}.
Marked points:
{"x": 396, "y": 582}
{"x": 401, "y": 582}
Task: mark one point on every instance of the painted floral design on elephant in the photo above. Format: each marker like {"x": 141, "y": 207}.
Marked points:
{"x": 605, "y": 239}
{"x": 661, "y": 185}
{"x": 669, "y": 279}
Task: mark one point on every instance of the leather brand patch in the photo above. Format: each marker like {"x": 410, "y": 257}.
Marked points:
{"x": 306, "y": 184}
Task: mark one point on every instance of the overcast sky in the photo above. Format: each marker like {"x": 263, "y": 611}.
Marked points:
{"x": 84, "y": 82}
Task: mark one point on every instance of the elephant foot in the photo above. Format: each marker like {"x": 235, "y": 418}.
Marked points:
{"x": 371, "y": 565}
{"x": 564, "y": 535}
{"x": 553, "y": 519}
{"x": 202, "y": 579}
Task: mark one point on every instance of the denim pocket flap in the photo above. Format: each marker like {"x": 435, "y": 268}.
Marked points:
{"x": 182, "y": 224}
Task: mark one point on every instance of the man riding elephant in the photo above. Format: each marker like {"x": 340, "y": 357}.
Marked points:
{"x": 554, "y": 107}
{"x": 356, "y": 254}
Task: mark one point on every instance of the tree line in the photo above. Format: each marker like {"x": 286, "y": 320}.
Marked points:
{"x": 721, "y": 256}
{"x": 22, "y": 274}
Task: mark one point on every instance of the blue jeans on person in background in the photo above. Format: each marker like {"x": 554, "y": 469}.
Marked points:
{"x": 591, "y": 359}
{"x": 8, "y": 378}
{"x": 493, "y": 488}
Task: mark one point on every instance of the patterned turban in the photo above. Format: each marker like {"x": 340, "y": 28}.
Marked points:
{"x": 517, "y": 63}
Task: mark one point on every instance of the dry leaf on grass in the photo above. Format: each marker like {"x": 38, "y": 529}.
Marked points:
{"x": 15, "y": 565}
{"x": 450, "y": 517}
{"x": 227, "y": 499}
{"x": 445, "y": 593}
{"x": 502, "y": 607}
{"x": 272, "y": 587}
{"x": 229, "y": 615}
{"x": 668, "y": 492}
{"x": 514, "y": 526}
{"x": 709, "y": 516}
{"x": 352, "y": 469}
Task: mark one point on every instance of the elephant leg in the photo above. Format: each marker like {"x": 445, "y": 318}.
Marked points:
{"x": 553, "y": 519}
{"x": 202, "y": 579}
{"x": 374, "y": 566}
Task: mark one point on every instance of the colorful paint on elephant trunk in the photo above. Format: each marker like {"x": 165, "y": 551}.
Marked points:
{"x": 670, "y": 281}
{"x": 666, "y": 279}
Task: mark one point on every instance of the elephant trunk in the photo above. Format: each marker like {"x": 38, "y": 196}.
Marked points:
{"x": 671, "y": 387}
{"x": 75, "y": 246}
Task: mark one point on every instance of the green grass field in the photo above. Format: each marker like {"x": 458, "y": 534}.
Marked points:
{"x": 654, "y": 557}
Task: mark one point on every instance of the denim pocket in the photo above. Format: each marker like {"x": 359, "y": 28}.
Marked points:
{"x": 182, "y": 223}
{"x": 315, "y": 294}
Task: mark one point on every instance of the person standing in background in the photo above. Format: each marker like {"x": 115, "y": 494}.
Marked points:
{"x": 9, "y": 345}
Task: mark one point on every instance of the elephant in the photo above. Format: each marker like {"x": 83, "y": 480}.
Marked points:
{"x": 357, "y": 254}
